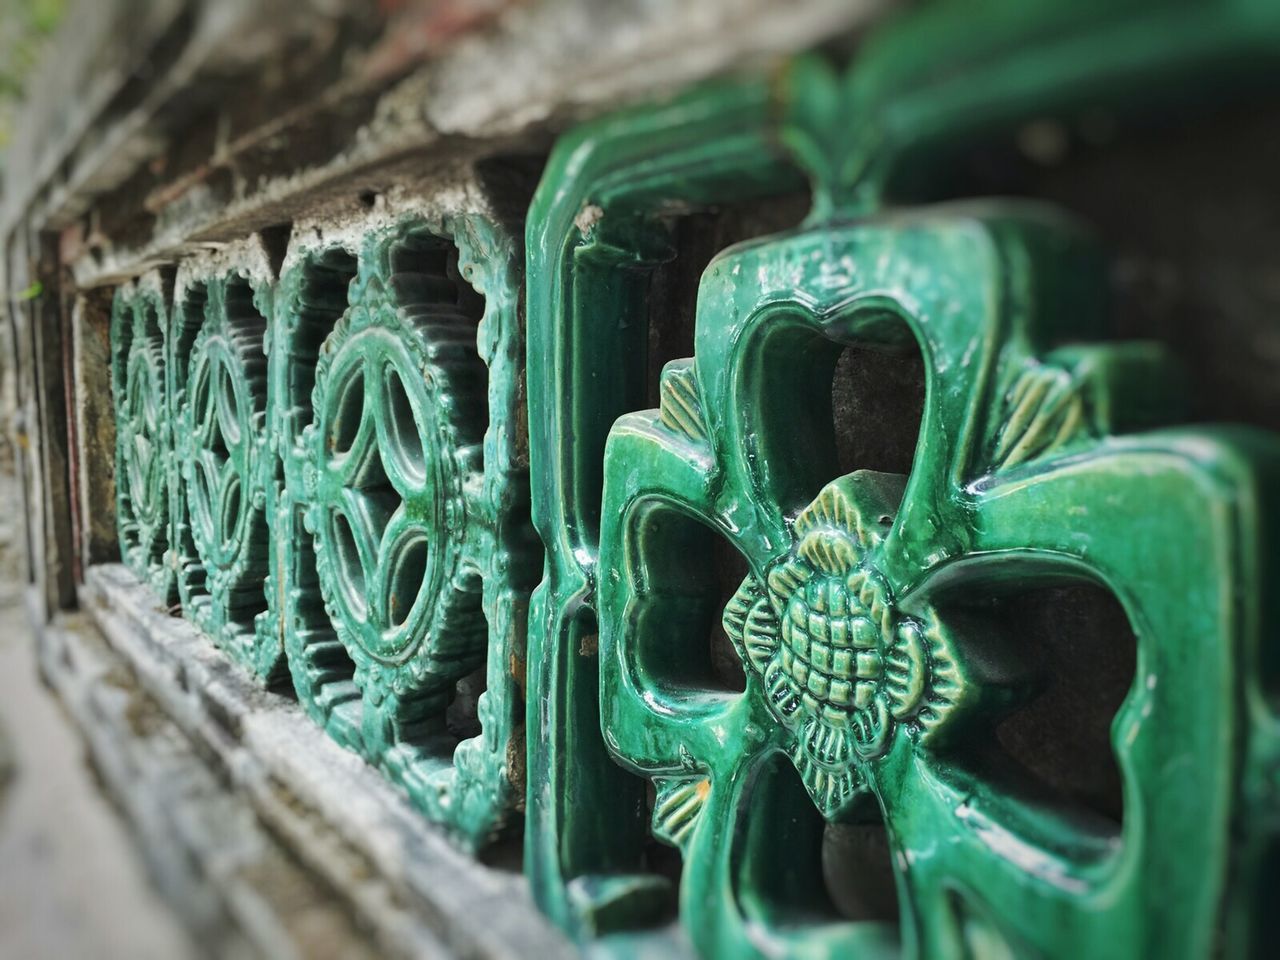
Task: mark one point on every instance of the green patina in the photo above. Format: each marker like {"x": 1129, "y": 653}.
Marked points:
{"x": 398, "y": 534}
{"x": 219, "y": 406}
{"x": 139, "y": 324}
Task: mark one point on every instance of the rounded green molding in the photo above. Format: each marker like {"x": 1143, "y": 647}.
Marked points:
{"x": 866, "y": 671}
{"x": 139, "y": 325}
{"x": 935, "y": 79}
{"x": 219, "y": 373}
{"x": 409, "y": 482}
{"x": 594, "y": 235}
{"x": 920, "y": 90}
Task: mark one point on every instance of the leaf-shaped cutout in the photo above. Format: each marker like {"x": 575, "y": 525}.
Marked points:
{"x": 1045, "y": 410}
{"x": 680, "y": 408}
{"x": 678, "y": 805}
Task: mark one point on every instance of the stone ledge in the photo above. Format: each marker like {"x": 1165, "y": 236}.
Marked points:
{"x": 270, "y": 774}
{"x": 561, "y": 62}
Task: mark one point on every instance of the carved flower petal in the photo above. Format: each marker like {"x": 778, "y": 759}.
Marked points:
{"x": 781, "y": 690}
{"x": 872, "y": 728}
{"x": 906, "y": 670}
{"x": 761, "y": 638}
{"x": 738, "y": 609}
{"x": 750, "y": 622}
{"x": 861, "y": 504}
{"x": 677, "y": 807}
{"x": 828, "y": 744}
{"x": 829, "y": 551}
{"x": 784, "y": 580}
{"x": 946, "y": 684}
{"x": 831, "y": 790}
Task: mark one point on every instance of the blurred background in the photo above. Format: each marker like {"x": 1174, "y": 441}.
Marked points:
{"x": 71, "y": 882}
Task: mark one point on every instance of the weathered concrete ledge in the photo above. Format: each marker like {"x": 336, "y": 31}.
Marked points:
{"x": 398, "y": 108}
{"x": 251, "y": 815}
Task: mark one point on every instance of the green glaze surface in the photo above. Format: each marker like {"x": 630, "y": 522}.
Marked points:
{"x": 139, "y": 324}
{"x": 219, "y": 391}
{"x": 864, "y": 721}
{"x": 311, "y": 296}
{"x": 864, "y": 667}
{"x": 593, "y": 238}
{"x": 942, "y": 76}
{"x": 406, "y": 482}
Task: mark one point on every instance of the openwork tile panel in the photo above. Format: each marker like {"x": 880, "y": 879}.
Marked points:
{"x": 869, "y": 788}
{"x": 221, "y": 468}
{"x": 866, "y": 668}
{"x": 139, "y": 327}
{"x": 325, "y": 473}
{"x": 996, "y": 685}
{"x": 403, "y": 563}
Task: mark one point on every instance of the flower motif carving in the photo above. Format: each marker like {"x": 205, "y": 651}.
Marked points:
{"x": 840, "y": 667}
{"x": 391, "y": 451}
{"x": 873, "y": 660}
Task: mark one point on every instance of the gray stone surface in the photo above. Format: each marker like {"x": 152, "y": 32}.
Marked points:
{"x": 391, "y": 111}
{"x": 401, "y": 880}
{"x": 7, "y": 764}
{"x": 239, "y": 892}
{"x": 71, "y": 882}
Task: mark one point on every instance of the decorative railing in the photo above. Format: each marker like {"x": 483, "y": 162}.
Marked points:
{"x": 749, "y": 641}
{"x": 218, "y": 409}
{"x": 144, "y": 452}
